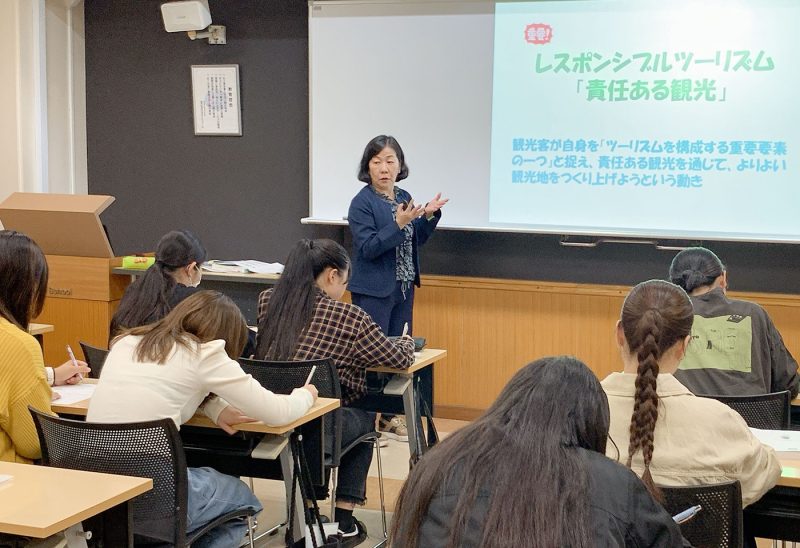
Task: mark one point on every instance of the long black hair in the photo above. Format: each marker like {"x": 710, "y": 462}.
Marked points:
{"x": 523, "y": 452}
{"x": 23, "y": 278}
{"x": 147, "y": 299}
{"x": 291, "y": 304}
{"x": 695, "y": 267}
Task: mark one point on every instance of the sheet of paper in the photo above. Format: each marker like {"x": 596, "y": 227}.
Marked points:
{"x": 74, "y": 393}
{"x": 780, "y": 440}
{"x": 257, "y": 267}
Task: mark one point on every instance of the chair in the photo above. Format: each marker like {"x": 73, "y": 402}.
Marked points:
{"x": 766, "y": 411}
{"x": 283, "y": 377}
{"x": 145, "y": 449}
{"x": 95, "y": 358}
{"x": 719, "y": 523}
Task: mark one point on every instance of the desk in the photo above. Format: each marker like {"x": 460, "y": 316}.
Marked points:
{"x": 320, "y": 407}
{"x": 38, "y": 330}
{"x": 790, "y": 473}
{"x": 41, "y": 501}
{"x": 777, "y": 514}
{"x": 416, "y": 437}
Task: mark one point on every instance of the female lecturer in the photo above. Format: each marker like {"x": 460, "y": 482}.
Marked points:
{"x": 387, "y": 229}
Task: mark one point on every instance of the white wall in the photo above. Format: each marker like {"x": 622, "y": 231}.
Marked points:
{"x": 10, "y": 177}
{"x": 42, "y": 99}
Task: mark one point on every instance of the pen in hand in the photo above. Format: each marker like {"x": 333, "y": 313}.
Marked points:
{"x": 310, "y": 375}
{"x": 687, "y": 514}
{"x": 74, "y": 361}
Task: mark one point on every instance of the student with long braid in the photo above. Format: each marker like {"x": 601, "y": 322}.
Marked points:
{"x": 669, "y": 436}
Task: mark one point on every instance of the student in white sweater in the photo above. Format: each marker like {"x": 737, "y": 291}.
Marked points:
{"x": 168, "y": 369}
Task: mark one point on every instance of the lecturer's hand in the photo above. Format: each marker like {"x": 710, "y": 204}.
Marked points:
{"x": 230, "y": 416}
{"x": 435, "y": 204}
{"x": 407, "y": 213}
{"x": 66, "y": 373}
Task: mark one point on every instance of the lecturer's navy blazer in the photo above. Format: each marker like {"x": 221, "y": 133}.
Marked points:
{"x": 375, "y": 238}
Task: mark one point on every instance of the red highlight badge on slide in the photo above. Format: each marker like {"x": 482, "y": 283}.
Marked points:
{"x": 538, "y": 33}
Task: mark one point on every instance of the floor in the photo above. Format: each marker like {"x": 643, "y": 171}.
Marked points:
{"x": 394, "y": 459}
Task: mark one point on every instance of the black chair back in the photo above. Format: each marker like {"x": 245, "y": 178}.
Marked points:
{"x": 766, "y": 411}
{"x": 282, "y": 377}
{"x": 145, "y": 449}
{"x": 719, "y": 523}
{"x": 95, "y": 358}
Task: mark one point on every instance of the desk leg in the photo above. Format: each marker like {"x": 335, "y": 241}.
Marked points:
{"x": 287, "y": 467}
{"x": 114, "y": 527}
{"x": 412, "y": 421}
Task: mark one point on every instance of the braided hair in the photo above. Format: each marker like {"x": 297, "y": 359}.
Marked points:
{"x": 655, "y": 316}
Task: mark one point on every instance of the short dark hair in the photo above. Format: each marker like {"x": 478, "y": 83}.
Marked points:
{"x": 695, "y": 267}
{"x": 23, "y": 278}
{"x": 373, "y": 148}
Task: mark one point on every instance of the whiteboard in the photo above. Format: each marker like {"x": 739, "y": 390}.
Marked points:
{"x": 454, "y": 81}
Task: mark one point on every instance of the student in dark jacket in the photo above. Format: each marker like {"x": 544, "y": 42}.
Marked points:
{"x": 531, "y": 471}
{"x": 736, "y": 350}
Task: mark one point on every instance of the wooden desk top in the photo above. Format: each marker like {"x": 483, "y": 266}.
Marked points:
{"x": 40, "y": 328}
{"x": 320, "y": 407}
{"x": 40, "y": 501}
{"x": 790, "y": 475}
{"x": 235, "y": 277}
{"x": 796, "y": 401}
{"x": 422, "y": 359}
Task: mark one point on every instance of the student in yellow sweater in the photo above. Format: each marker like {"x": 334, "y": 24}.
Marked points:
{"x": 24, "y": 380}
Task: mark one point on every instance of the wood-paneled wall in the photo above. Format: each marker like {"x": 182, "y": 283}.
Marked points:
{"x": 491, "y": 328}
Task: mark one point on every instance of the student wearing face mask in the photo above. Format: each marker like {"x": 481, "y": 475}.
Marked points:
{"x": 174, "y": 276}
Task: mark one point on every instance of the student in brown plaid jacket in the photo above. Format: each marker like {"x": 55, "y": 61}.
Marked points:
{"x": 303, "y": 319}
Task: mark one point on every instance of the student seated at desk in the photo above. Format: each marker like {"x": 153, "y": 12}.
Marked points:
{"x": 531, "y": 471}
{"x": 174, "y": 276}
{"x": 303, "y": 319}
{"x": 668, "y": 435}
{"x": 753, "y": 358}
{"x": 24, "y": 380}
{"x": 167, "y": 369}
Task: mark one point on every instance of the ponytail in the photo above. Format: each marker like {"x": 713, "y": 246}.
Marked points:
{"x": 655, "y": 316}
{"x": 291, "y": 305}
{"x": 695, "y": 267}
{"x": 148, "y": 298}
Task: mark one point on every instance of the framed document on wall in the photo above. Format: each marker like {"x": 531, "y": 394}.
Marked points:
{"x": 215, "y": 100}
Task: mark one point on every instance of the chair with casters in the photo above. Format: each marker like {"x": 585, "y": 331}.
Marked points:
{"x": 95, "y": 358}
{"x": 766, "y": 411}
{"x": 282, "y": 377}
{"x": 719, "y": 523}
{"x": 149, "y": 449}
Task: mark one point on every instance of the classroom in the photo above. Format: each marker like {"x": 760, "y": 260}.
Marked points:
{"x": 100, "y": 101}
